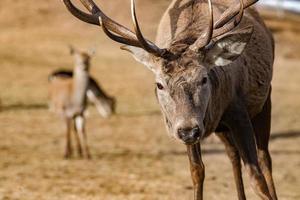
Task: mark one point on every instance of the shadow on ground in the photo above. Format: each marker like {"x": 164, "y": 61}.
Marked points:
{"x": 205, "y": 150}
{"x": 285, "y": 135}
{"x": 22, "y": 106}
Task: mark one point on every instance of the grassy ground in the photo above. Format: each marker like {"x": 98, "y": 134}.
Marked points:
{"x": 133, "y": 157}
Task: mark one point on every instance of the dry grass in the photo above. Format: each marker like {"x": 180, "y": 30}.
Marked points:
{"x": 134, "y": 158}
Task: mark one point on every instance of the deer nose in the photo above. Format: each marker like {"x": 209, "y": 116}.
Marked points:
{"x": 189, "y": 135}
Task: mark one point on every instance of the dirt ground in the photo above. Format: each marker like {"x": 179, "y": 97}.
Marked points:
{"x": 133, "y": 157}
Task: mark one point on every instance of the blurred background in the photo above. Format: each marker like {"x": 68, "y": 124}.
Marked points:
{"x": 133, "y": 157}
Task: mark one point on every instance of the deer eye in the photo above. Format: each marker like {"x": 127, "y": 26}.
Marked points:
{"x": 159, "y": 86}
{"x": 204, "y": 81}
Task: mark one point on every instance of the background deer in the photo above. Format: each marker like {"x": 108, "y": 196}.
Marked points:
{"x": 212, "y": 76}
{"x": 68, "y": 93}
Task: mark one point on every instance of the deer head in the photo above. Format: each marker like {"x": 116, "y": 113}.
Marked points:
{"x": 81, "y": 58}
{"x": 183, "y": 71}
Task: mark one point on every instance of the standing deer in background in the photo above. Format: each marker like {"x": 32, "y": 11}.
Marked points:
{"x": 211, "y": 76}
{"x": 68, "y": 93}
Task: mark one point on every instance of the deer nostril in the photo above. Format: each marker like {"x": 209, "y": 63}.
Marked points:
{"x": 181, "y": 133}
{"x": 195, "y": 133}
{"x": 189, "y": 135}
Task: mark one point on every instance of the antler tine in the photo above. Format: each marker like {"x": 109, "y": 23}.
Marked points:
{"x": 205, "y": 39}
{"x": 117, "y": 38}
{"x": 231, "y": 12}
{"x": 91, "y": 6}
{"x": 91, "y": 19}
{"x": 149, "y": 47}
{"x": 110, "y": 24}
{"x": 228, "y": 27}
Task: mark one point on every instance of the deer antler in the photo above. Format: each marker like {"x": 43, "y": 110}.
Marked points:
{"x": 212, "y": 32}
{"x": 231, "y": 13}
{"x": 122, "y": 34}
{"x": 150, "y": 47}
{"x": 91, "y": 19}
{"x": 228, "y": 27}
{"x": 114, "y": 30}
{"x": 204, "y": 40}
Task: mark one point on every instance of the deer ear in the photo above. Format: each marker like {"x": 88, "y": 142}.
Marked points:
{"x": 72, "y": 50}
{"x": 228, "y": 48}
{"x": 141, "y": 56}
{"x": 92, "y": 51}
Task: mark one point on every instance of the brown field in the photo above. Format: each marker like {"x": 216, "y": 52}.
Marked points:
{"x": 133, "y": 157}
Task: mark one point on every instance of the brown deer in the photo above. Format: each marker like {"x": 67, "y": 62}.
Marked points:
{"x": 211, "y": 76}
{"x": 68, "y": 94}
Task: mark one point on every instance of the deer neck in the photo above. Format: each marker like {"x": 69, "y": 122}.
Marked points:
{"x": 80, "y": 85}
{"x": 223, "y": 93}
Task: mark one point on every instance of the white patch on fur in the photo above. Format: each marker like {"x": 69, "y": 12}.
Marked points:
{"x": 233, "y": 47}
{"x": 102, "y": 107}
{"x": 237, "y": 47}
{"x": 79, "y": 123}
{"x": 222, "y": 61}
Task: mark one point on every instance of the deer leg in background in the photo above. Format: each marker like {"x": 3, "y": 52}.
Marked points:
{"x": 262, "y": 127}
{"x": 197, "y": 169}
{"x": 80, "y": 126}
{"x": 69, "y": 149}
{"x": 235, "y": 159}
{"x": 78, "y": 141}
{"x": 243, "y": 135}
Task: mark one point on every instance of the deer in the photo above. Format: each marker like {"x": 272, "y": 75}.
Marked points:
{"x": 213, "y": 67}
{"x": 69, "y": 93}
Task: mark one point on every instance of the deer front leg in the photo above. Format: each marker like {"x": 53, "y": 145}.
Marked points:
{"x": 78, "y": 141}
{"x": 235, "y": 159}
{"x": 80, "y": 126}
{"x": 197, "y": 170}
{"x": 69, "y": 149}
{"x": 243, "y": 135}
